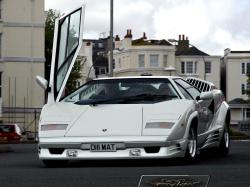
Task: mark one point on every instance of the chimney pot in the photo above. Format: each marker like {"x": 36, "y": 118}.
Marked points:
{"x": 183, "y": 37}
{"x": 179, "y": 37}
{"x": 186, "y": 38}
{"x": 117, "y": 38}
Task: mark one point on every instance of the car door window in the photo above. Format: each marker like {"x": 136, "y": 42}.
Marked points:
{"x": 188, "y": 87}
{"x": 68, "y": 42}
{"x": 184, "y": 92}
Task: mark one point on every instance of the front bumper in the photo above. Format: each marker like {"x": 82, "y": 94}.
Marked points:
{"x": 126, "y": 147}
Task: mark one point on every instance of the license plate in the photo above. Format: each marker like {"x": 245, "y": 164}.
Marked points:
{"x": 103, "y": 147}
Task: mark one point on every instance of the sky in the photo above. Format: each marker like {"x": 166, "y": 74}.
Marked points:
{"x": 211, "y": 25}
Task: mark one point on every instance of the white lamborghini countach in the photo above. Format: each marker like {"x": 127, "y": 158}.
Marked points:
{"x": 127, "y": 117}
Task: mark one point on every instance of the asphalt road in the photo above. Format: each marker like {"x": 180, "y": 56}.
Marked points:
{"x": 19, "y": 166}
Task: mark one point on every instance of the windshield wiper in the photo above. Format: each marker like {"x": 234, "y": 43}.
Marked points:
{"x": 139, "y": 97}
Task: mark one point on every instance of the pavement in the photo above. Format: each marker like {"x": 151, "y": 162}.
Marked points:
{"x": 20, "y": 166}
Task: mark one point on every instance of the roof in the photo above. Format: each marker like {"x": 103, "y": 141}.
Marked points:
{"x": 238, "y": 101}
{"x": 141, "y": 41}
{"x": 191, "y": 51}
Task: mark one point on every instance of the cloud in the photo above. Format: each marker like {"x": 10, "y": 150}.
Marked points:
{"x": 211, "y": 25}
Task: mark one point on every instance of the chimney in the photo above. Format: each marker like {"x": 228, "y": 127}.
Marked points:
{"x": 144, "y": 36}
{"x": 127, "y": 42}
{"x": 129, "y": 34}
{"x": 117, "y": 38}
{"x": 183, "y": 43}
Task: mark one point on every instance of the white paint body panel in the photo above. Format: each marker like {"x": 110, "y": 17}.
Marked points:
{"x": 108, "y": 120}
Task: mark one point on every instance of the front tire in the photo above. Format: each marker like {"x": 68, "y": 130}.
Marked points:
{"x": 55, "y": 163}
{"x": 225, "y": 142}
{"x": 191, "y": 151}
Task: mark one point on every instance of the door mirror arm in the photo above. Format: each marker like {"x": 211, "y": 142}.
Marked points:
{"x": 42, "y": 82}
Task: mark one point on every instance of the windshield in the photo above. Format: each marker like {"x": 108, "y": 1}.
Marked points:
{"x": 123, "y": 91}
{"x": 7, "y": 128}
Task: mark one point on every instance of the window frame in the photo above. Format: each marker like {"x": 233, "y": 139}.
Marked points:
{"x": 243, "y": 68}
{"x": 208, "y": 64}
{"x": 141, "y": 62}
{"x": 165, "y": 61}
{"x": 184, "y": 67}
{"x": 243, "y": 89}
{"x": 151, "y": 62}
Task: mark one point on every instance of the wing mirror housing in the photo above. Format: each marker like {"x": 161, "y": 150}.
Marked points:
{"x": 42, "y": 82}
{"x": 205, "y": 96}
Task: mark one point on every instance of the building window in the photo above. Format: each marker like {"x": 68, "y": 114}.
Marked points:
{"x": 183, "y": 67}
{"x": 188, "y": 67}
{"x": 248, "y": 68}
{"x": 154, "y": 60}
{"x": 242, "y": 89}
{"x": 245, "y": 68}
{"x": 246, "y": 113}
{"x": 100, "y": 45}
{"x": 208, "y": 66}
{"x": 243, "y": 71}
{"x": 195, "y": 66}
{"x": 141, "y": 60}
{"x": 165, "y": 60}
{"x": 102, "y": 71}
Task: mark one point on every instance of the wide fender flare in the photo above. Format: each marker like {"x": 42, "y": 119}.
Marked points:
{"x": 224, "y": 113}
{"x": 192, "y": 117}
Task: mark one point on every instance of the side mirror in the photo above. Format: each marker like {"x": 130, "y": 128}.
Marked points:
{"x": 42, "y": 82}
{"x": 205, "y": 96}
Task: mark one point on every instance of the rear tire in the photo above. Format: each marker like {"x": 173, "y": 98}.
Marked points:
{"x": 224, "y": 146}
{"x": 191, "y": 151}
{"x": 55, "y": 163}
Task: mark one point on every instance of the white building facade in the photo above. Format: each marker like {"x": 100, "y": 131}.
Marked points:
{"x": 236, "y": 65}
{"x": 161, "y": 58}
{"x": 22, "y": 58}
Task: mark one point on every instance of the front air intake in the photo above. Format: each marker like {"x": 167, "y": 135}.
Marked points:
{"x": 154, "y": 149}
{"x": 56, "y": 151}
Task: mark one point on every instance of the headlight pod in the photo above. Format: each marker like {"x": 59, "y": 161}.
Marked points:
{"x": 50, "y": 127}
{"x": 159, "y": 125}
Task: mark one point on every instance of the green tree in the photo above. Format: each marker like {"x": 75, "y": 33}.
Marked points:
{"x": 49, "y": 35}
{"x": 75, "y": 75}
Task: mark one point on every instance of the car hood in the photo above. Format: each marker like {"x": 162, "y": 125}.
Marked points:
{"x": 110, "y": 119}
